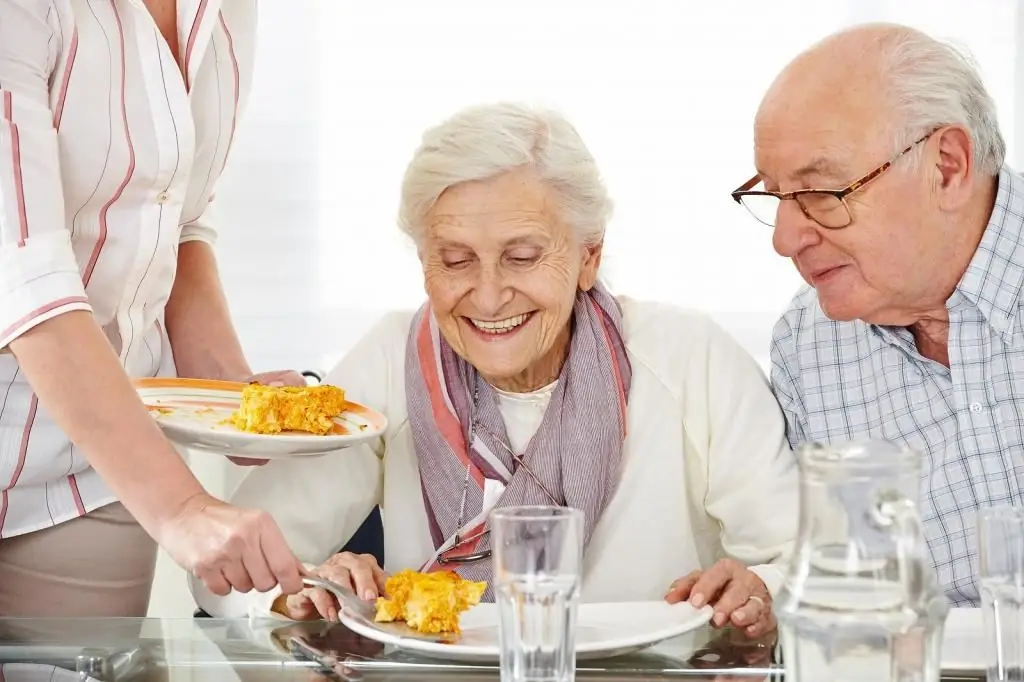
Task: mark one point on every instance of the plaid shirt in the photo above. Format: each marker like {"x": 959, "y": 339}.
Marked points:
{"x": 839, "y": 381}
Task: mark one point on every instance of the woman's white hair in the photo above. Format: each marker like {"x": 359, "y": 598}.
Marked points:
{"x": 933, "y": 84}
{"x": 486, "y": 141}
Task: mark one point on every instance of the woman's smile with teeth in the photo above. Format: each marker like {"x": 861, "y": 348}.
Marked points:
{"x": 499, "y": 326}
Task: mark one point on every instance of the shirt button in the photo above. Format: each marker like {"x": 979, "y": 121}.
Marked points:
{"x": 976, "y": 407}
{"x": 162, "y": 198}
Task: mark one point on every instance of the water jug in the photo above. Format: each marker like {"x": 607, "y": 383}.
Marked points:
{"x": 860, "y": 602}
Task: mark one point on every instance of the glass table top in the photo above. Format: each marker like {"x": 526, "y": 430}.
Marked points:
{"x": 172, "y": 650}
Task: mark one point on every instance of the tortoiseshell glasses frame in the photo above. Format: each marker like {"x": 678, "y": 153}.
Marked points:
{"x": 826, "y": 207}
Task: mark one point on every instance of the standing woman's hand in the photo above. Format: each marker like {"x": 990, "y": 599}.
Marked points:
{"x": 280, "y": 377}
{"x": 229, "y": 547}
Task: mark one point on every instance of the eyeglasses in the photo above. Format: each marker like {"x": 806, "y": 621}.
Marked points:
{"x": 827, "y": 207}
{"x": 451, "y": 555}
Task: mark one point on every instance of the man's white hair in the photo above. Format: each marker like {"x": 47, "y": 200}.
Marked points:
{"x": 486, "y": 141}
{"x": 933, "y": 84}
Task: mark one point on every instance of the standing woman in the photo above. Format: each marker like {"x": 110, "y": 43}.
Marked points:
{"x": 116, "y": 119}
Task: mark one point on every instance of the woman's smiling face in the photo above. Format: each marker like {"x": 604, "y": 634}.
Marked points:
{"x": 501, "y": 269}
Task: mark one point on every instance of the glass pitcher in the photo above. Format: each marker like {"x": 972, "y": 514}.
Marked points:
{"x": 860, "y": 600}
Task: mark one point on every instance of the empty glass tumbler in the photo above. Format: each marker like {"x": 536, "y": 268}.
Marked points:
{"x": 538, "y": 565}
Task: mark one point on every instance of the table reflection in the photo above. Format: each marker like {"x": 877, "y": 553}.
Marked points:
{"x": 711, "y": 655}
{"x": 187, "y": 650}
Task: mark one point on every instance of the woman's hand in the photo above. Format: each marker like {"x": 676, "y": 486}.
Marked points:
{"x": 229, "y": 547}
{"x": 360, "y": 572}
{"x": 737, "y": 594}
{"x": 281, "y": 377}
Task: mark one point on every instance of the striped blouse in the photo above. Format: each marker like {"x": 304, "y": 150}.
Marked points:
{"x": 109, "y": 154}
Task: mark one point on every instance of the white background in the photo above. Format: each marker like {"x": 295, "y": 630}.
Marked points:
{"x": 662, "y": 91}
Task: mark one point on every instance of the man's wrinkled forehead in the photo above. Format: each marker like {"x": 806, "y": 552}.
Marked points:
{"x": 829, "y": 140}
{"x": 803, "y": 153}
{"x": 819, "y": 122}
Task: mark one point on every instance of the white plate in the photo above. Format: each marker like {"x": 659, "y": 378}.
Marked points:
{"x": 602, "y": 630}
{"x": 191, "y": 413}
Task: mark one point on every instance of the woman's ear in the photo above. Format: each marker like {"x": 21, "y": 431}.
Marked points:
{"x": 590, "y": 265}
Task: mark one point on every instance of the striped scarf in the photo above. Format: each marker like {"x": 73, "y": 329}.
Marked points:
{"x": 576, "y": 450}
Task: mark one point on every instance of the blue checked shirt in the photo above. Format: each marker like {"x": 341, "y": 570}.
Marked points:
{"x": 839, "y": 381}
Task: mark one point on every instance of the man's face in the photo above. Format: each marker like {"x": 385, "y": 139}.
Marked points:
{"x": 877, "y": 268}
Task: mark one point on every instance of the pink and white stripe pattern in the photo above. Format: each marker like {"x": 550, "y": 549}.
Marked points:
{"x": 576, "y": 451}
{"x": 110, "y": 150}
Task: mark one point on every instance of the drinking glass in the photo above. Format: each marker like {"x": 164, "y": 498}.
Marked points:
{"x": 538, "y": 566}
{"x": 1001, "y": 551}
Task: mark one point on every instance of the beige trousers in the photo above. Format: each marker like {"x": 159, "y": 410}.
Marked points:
{"x": 100, "y": 564}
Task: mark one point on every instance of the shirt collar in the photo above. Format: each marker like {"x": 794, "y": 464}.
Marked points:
{"x": 995, "y": 276}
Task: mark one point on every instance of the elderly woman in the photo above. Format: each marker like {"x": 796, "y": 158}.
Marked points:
{"x": 522, "y": 380}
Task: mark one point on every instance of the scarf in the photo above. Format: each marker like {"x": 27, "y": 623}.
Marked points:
{"x": 576, "y": 450}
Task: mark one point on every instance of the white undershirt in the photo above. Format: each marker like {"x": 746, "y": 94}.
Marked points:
{"x": 523, "y": 413}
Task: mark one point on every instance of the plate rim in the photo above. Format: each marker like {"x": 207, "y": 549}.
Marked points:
{"x": 697, "y": 618}
{"x": 233, "y": 441}
{"x": 186, "y": 382}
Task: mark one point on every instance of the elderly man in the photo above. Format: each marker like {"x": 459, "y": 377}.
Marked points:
{"x": 884, "y": 180}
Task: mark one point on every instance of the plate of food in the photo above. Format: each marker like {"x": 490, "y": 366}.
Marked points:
{"x": 445, "y": 619}
{"x": 253, "y": 420}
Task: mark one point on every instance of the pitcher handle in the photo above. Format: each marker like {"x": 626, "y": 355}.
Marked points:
{"x": 900, "y": 515}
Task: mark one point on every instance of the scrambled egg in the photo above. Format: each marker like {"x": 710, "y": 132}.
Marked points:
{"x": 273, "y": 409}
{"x": 428, "y": 602}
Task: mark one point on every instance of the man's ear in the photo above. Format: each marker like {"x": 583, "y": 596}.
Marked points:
{"x": 953, "y": 162}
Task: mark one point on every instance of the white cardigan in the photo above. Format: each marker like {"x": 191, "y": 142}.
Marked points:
{"x": 706, "y": 472}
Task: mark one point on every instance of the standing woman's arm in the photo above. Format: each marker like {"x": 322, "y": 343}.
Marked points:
{"x": 47, "y": 323}
{"x": 198, "y": 320}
